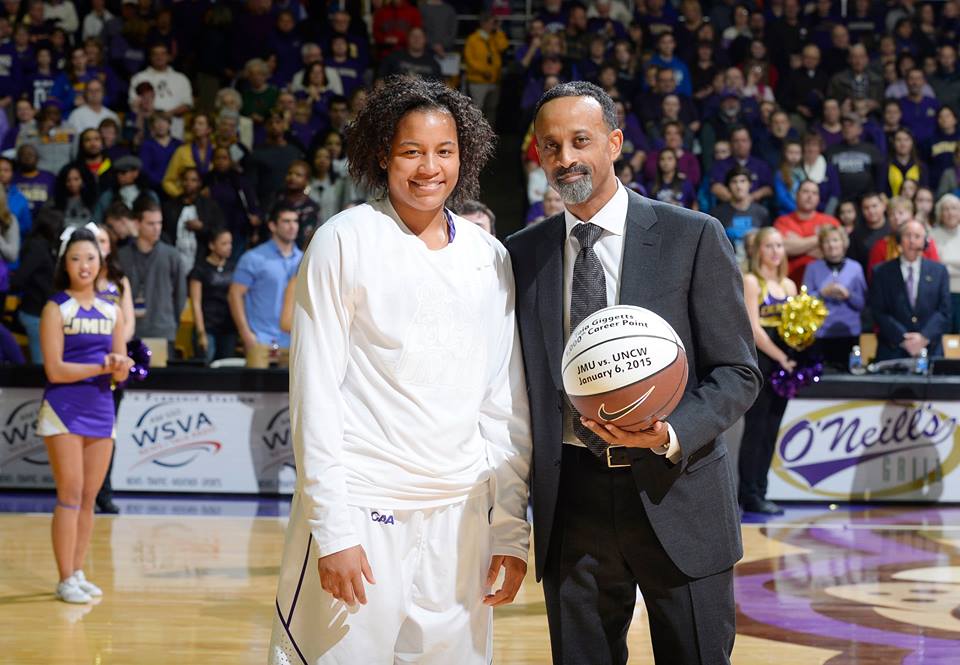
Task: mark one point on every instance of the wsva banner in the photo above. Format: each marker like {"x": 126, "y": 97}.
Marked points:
{"x": 204, "y": 442}
{"x": 23, "y": 457}
{"x": 867, "y": 450}
{"x": 168, "y": 442}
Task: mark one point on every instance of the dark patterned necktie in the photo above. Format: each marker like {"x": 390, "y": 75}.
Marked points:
{"x": 588, "y": 293}
{"x": 911, "y": 288}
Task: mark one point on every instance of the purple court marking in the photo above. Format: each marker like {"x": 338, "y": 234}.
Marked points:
{"x": 858, "y": 551}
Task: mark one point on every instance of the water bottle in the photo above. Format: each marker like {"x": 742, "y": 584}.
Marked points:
{"x": 274, "y": 358}
{"x": 922, "y": 363}
{"x": 741, "y": 254}
{"x": 856, "y": 361}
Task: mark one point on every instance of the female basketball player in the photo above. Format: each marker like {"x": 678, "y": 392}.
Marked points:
{"x": 81, "y": 336}
{"x": 765, "y": 288}
{"x": 407, "y": 405}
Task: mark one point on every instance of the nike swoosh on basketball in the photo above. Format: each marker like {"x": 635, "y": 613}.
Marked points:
{"x": 617, "y": 415}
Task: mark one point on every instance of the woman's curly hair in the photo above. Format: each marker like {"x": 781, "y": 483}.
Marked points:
{"x": 370, "y": 136}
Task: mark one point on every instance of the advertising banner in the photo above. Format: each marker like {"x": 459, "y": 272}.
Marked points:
{"x": 23, "y": 457}
{"x": 184, "y": 441}
{"x": 271, "y": 448}
{"x": 867, "y": 450}
{"x": 168, "y": 442}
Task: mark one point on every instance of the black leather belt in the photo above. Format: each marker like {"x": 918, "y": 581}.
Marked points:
{"x": 615, "y": 457}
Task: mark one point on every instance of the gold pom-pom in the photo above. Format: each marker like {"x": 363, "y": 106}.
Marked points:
{"x": 800, "y": 319}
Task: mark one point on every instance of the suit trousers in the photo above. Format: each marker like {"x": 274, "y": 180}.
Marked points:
{"x": 602, "y": 549}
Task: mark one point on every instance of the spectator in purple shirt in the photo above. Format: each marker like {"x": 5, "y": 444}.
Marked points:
{"x": 761, "y": 179}
{"x": 28, "y": 37}
{"x": 10, "y": 353}
{"x": 830, "y": 127}
{"x": 35, "y": 185}
{"x": 636, "y": 146}
{"x": 10, "y": 73}
{"x": 553, "y": 17}
{"x": 158, "y": 149}
{"x": 42, "y": 84}
{"x": 286, "y": 44}
{"x": 839, "y": 281}
{"x": 919, "y": 110}
{"x": 349, "y": 69}
{"x": 669, "y": 184}
{"x": 687, "y": 162}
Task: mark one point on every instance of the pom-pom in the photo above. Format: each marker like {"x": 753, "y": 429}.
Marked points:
{"x": 800, "y": 319}
{"x": 140, "y": 354}
{"x": 787, "y": 384}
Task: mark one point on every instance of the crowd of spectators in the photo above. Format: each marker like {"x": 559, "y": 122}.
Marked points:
{"x": 192, "y": 131}
{"x": 196, "y": 132}
{"x": 802, "y": 116}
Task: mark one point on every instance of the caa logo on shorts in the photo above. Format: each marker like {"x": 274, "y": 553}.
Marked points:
{"x": 382, "y": 519}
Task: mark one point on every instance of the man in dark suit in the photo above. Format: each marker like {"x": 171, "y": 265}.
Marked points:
{"x": 655, "y": 509}
{"x": 910, "y": 299}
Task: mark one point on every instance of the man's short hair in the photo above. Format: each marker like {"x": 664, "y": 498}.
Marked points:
{"x": 582, "y": 89}
{"x": 472, "y": 207}
{"x": 143, "y": 204}
{"x": 870, "y": 195}
{"x": 279, "y": 209}
{"x": 736, "y": 171}
{"x": 187, "y": 169}
{"x": 118, "y": 210}
{"x": 159, "y": 115}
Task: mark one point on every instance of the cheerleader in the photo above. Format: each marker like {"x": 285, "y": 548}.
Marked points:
{"x": 408, "y": 411}
{"x": 82, "y": 338}
{"x": 766, "y": 288}
{"x": 114, "y": 287}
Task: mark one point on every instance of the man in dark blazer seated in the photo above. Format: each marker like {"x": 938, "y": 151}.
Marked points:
{"x": 656, "y": 509}
{"x": 910, "y": 299}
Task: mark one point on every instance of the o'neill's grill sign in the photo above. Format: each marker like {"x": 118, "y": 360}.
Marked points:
{"x": 866, "y": 450}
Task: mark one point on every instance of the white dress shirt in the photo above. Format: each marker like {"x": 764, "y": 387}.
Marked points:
{"x": 612, "y": 218}
{"x": 904, "y": 268}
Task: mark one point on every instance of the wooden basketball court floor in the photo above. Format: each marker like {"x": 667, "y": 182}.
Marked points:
{"x": 192, "y": 581}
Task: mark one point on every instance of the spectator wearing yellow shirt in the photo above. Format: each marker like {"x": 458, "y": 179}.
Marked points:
{"x": 196, "y": 153}
{"x": 483, "y": 57}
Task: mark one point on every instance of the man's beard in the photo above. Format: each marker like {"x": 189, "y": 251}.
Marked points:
{"x": 575, "y": 192}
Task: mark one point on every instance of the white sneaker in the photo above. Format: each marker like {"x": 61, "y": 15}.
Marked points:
{"x": 85, "y": 585}
{"x": 69, "y": 591}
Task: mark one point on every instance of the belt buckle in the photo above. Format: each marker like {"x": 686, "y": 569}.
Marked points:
{"x": 610, "y": 463}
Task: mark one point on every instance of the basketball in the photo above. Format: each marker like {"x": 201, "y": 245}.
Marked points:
{"x": 625, "y": 366}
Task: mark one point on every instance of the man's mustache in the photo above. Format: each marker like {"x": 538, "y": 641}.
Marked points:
{"x": 578, "y": 169}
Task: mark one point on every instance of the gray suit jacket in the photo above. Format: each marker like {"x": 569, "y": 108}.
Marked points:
{"x": 679, "y": 264}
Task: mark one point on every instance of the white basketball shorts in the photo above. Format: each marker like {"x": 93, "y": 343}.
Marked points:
{"x": 426, "y": 607}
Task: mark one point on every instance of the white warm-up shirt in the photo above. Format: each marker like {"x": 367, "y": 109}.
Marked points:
{"x": 406, "y": 381}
